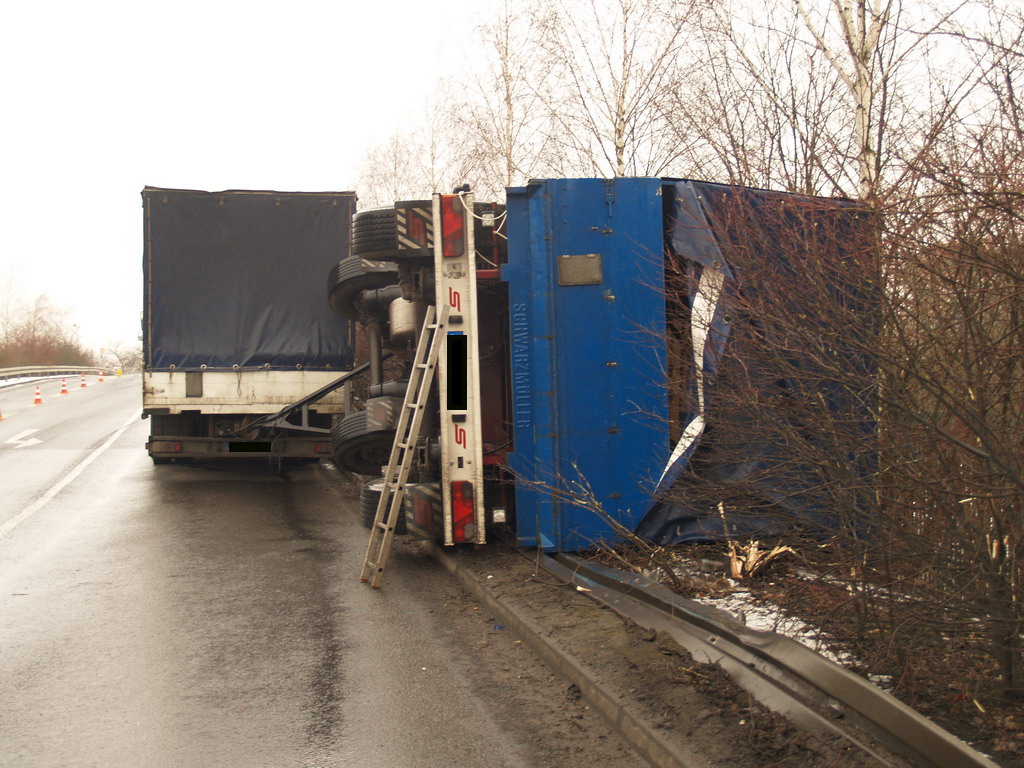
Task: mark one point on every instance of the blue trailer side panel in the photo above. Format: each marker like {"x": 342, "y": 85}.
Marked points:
{"x": 587, "y": 321}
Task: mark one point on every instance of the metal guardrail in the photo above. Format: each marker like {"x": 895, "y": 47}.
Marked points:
{"x": 807, "y": 687}
{"x": 50, "y": 370}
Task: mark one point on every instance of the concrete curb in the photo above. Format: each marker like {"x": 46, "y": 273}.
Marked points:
{"x": 637, "y": 734}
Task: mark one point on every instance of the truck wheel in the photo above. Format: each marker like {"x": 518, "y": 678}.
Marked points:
{"x": 369, "y": 497}
{"x": 349, "y": 278}
{"x": 359, "y": 447}
{"x": 392, "y": 234}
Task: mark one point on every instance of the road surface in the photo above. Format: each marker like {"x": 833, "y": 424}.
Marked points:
{"x": 212, "y": 616}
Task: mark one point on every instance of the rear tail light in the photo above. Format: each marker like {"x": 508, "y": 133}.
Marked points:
{"x": 463, "y": 512}
{"x": 453, "y": 226}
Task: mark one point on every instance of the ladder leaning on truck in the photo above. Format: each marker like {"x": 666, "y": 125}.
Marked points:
{"x": 440, "y": 471}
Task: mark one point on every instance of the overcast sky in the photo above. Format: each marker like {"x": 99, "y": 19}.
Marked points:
{"x": 103, "y": 98}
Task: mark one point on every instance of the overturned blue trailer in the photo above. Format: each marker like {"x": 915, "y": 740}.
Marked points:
{"x": 624, "y": 297}
{"x": 613, "y": 348}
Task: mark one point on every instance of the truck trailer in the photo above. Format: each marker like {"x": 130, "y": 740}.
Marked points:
{"x": 234, "y": 324}
{"x": 583, "y": 324}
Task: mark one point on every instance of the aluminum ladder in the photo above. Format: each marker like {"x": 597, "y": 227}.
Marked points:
{"x": 389, "y": 506}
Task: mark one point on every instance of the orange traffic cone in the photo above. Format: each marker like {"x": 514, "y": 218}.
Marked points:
{"x": 63, "y": 386}
{"x": 101, "y": 378}
{"x": 83, "y": 382}
{"x": 1, "y": 415}
{"x": 39, "y": 397}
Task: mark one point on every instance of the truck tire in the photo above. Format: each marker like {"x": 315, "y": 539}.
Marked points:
{"x": 350, "y": 277}
{"x": 375, "y": 232}
{"x": 358, "y": 447}
{"x": 375, "y": 235}
{"x": 369, "y": 497}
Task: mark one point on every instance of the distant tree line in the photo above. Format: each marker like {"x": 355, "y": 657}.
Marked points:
{"x": 39, "y": 334}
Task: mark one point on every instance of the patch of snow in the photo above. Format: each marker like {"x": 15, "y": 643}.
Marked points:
{"x": 882, "y": 681}
{"x": 771, "y": 618}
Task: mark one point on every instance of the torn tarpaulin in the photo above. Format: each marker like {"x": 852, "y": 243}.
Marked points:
{"x": 776, "y": 421}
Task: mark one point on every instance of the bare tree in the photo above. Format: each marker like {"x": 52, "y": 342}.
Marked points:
{"x": 816, "y": 96}
{"x": 612, "y": 63}
{"x": 757, "y": 107}
{"x": 955, "y": 368}
{"x": 126, "y": 357}
{"x": 567, "y": 91}
{"x": 507, "y": 131}
{"x": 384, "y": 174}
{"x": 39, "y": 334}
{"x": 414, "y": 163}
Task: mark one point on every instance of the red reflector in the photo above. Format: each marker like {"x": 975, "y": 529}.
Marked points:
{"x": 463, "y": 522}
{"x": 453, "y": 226}
{"x": 177, "y": 447}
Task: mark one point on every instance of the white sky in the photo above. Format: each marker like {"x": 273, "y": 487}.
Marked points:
{"x": 100, "y": 99}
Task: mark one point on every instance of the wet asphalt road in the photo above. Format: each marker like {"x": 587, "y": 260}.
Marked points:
{"x": 209, "y": 616}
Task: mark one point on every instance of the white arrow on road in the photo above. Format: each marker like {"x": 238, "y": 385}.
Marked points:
{"x": 22, "y": 439}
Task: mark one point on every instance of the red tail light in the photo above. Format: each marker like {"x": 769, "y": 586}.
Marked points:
{"x": 453, "y": 226}
{"x": 463, "y": 511}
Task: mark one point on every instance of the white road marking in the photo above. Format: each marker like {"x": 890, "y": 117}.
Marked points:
{"x": 22, "y": 439}
{"x": 45, "y": 499}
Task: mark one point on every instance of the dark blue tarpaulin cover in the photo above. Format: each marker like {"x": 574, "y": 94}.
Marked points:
{"x": 236, "y": 279}
{"x": 739, "y": 247}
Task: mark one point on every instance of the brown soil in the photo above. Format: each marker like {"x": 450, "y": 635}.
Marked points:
{"x": 946, "y": 676}
{"x": 693, "y": 706}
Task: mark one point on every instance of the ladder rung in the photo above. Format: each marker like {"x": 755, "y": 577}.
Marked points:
{"x": 403, "y": 448}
